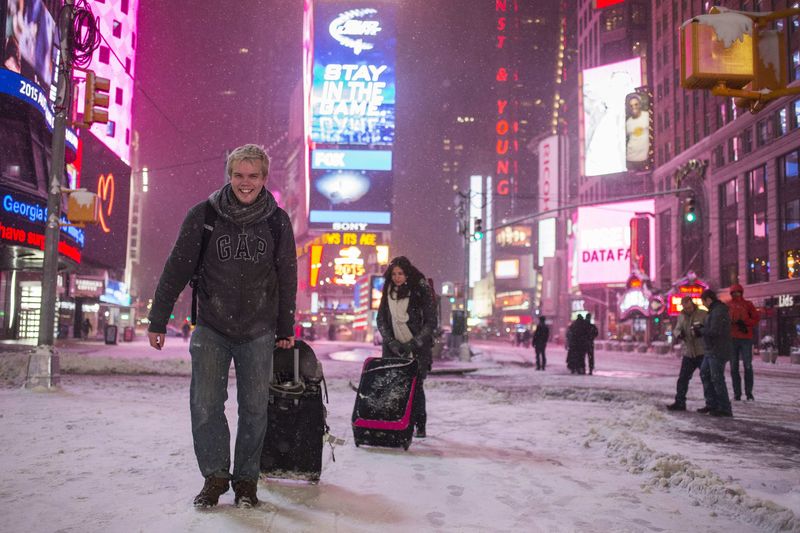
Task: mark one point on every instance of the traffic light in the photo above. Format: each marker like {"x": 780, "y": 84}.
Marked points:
{"x": 477, "y": 231}
{"x": 688, "y": 210}
{"x": 95, "y": 102}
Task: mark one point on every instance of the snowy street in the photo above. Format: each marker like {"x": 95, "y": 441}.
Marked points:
{"x": 508, "y": 449}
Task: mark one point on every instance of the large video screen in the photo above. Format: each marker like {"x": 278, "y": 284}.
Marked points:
{"x": 603, "y": 112}
{"x": 117, "y": 22}
{"x": 361, "y": 199}
{"x": 105, "y": 174}
{"x": 353, "y": 87}
{"x": 30, "y": 44}
{"x": 603, "y": 241}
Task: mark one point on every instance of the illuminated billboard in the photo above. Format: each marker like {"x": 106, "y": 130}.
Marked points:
{"x": 115, "y": 59}
{"x": 506, "y": 269}
{"x": 104, "y": 174}
{"x": 350, "y": 190}
{"x": 603, "y": 241}
{"x": 638, "y": 130}
{"x": 603, "y": 115}
{"x": 600, "y": 4}
{"x": 353, "y": 79}
{"x": 31, "y": 43}
{"x": 22, "y": 223}
{"x": 549, "y": 169}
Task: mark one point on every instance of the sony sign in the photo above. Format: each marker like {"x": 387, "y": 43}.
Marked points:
{"x": 548, "y": 173}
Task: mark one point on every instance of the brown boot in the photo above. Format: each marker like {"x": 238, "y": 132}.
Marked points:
{"x": 245, "y": 490}
{"x": 213, "y": 488}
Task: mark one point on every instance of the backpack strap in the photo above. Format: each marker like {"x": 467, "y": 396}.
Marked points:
{"x": 208, "y": 227}
{"x": 275, "y": 231}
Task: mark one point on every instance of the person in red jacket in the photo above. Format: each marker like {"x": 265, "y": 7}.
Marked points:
{"x": 744, "y": 317}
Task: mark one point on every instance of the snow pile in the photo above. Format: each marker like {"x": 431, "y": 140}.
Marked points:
{"x": 13, "y": 369}
{"x": 83, "y": 364}
{"x": 623, "y": 441}
{"x": 730, "y": 26}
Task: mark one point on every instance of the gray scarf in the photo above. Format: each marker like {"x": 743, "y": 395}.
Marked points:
{"x": 242, "y": 214}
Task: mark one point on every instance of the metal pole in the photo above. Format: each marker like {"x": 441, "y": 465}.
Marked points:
{"x": 43, "y": 368}
{"x": 463, "y": 349}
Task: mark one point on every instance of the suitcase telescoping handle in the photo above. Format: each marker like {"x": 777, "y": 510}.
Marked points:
{"x": 297, "y": 365}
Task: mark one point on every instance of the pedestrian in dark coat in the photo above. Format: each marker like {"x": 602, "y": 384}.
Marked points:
{"x": 406, "y": 321}
{"x": 577, "y": 342}
{"x": 540, "y": 338}
{"x": 591, "y": 335}
{"x": 716, "y": 333}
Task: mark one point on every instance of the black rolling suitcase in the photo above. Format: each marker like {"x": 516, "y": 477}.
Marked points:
{"x": 296, "y": 416}
{"x": 382, "y": 415}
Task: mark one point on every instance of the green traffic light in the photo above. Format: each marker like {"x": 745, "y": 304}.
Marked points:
{"x": 691, "y": 217}
{"x": 477, "y": 235}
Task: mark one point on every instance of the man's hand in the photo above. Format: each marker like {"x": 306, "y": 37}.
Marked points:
{"x": 156, "y": 339}
{"x": 285, "y": 342}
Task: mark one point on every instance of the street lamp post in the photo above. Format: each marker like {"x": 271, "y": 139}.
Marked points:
{"x": 43, "y": 364}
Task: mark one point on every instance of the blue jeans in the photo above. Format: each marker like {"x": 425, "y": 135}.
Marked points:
{"x": 688, "y": 366}
{"x": 742, "y": 348}
{"x": 712, "y": 372}
{"x": 211, "y": 362}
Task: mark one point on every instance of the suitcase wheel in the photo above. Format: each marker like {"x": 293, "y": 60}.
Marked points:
{"x": 357, "y": 442}
{"x": 406, "y": 444}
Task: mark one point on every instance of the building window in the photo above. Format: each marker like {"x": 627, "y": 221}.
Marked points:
{"x": 794, "y": 66}
{"x": 733, "y": 149}
{"x": 111, "y": 128}
{"x": 746, "y": 141}
{"x": 758, "y": 225}
{"x": 757, "y": 179}
{"x": 729, "y": 193}
{"x": 780, "y": 125}
{"x": 124, "y": 6}
{"x": 116, "y": 29}
{"x": 758, "y": 270}
{"x": 613, "y": 18}
{"x": 791, "y": 215}
{"x": 118, "y": 96}
{"x": 104, "y": 55}
{"x": 787, "y": 166}
{"x": 729, "y": 231}
{"x": 718, "y": 156}
{"x": 762, "y": 132}
{"x": 796, "y": 113}
{"x": 791, "y": 264}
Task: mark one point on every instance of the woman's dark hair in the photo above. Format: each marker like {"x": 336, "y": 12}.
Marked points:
{"x": 413, "y": 277}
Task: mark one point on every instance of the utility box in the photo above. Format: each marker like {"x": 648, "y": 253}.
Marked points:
{"x": 82, "y": 207}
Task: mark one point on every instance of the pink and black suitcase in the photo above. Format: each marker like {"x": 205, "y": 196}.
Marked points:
{"x": 383, "y": 414}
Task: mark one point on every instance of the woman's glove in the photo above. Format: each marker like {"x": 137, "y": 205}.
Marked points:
{"x": 396, "y": 347}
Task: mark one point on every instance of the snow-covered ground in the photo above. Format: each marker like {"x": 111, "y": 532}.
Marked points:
{"x": 509, "y": 449}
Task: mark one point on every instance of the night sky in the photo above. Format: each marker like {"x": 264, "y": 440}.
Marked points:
{"x": 200, "y": 94}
